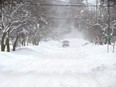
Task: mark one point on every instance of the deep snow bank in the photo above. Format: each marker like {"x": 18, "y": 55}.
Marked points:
{"x": 47, "y": 65}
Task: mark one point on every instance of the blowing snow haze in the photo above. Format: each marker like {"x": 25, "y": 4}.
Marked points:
{"x": 74, "y": 34}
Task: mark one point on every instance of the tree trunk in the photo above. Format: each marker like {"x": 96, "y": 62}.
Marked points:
{"x": 15, "y": 43}
{"x": 34, "y": 41}
{"x": 3, "y": 41}
{"x": 7, "y": 44}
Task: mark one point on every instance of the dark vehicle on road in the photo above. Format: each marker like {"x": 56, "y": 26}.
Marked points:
{"x": 65, "y": 43}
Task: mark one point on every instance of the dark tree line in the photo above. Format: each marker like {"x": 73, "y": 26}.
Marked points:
{"x": 18, "y": 21}
{"x": 100, "y": 22}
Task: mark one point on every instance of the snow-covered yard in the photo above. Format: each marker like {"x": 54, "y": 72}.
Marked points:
{"x": 50, "y": 65}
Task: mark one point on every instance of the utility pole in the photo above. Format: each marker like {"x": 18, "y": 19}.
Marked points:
{"x": 108, "y": 25}
{"x": 97, "y": 11}
{"x": 108, "y": 34}
{"x": 108, "y": 30}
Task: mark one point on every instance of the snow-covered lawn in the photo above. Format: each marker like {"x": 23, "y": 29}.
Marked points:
{"x": 50, "y": 65}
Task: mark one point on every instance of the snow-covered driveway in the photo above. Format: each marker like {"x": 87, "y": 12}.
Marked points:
{"x": 50, "y": 65}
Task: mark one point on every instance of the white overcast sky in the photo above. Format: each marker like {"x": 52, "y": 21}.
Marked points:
{"x": 92, "y": 1}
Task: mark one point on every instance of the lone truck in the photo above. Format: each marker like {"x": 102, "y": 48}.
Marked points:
{"x": 65, "y": 43}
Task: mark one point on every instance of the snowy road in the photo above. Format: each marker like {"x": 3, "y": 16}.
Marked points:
{"x": 47, "y": 80}
{"x": 50, "y": 65}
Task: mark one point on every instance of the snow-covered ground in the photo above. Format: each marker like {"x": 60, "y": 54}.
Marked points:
{"x": 50, "y": 65}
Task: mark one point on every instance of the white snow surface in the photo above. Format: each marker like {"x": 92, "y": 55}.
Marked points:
{"x": 50, "y": 65}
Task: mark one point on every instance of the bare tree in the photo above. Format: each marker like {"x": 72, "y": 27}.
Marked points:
{"x": 13, "y": 16}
